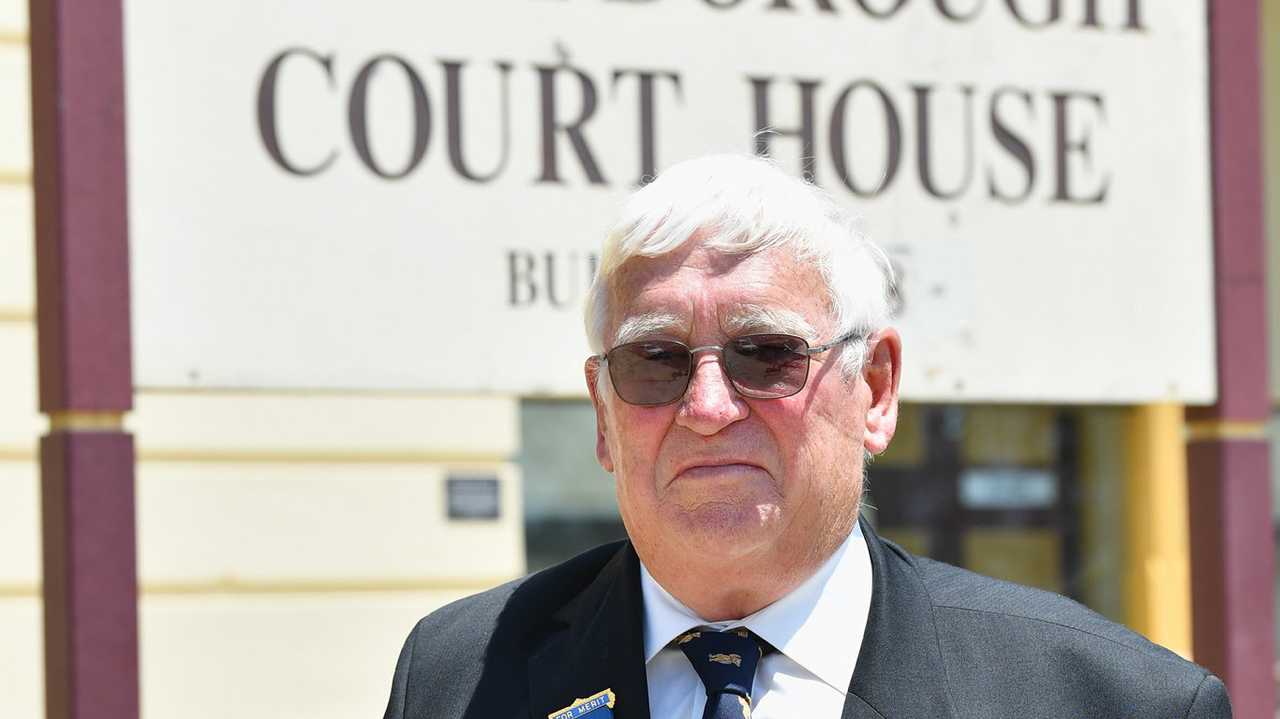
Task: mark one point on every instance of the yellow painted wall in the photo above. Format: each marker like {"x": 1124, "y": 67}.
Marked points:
{"x": 293, "y": 539}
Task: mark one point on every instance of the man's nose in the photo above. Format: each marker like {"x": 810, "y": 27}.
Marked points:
{"x": 711, "y": 403}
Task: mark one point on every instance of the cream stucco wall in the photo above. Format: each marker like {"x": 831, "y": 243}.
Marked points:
{"x": 20, "y": 651}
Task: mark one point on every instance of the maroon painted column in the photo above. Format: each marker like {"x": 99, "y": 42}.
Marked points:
{"x": 82, "y": 305}
{"x": 1232, "y": 562}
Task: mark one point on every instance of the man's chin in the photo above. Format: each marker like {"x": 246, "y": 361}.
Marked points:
{"x": 723, "y": 531}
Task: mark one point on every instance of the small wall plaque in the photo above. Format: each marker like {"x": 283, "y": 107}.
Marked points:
{"x": 473, "y": 497}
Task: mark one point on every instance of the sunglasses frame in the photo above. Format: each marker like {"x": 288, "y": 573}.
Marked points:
{"x": 808, "y": 352}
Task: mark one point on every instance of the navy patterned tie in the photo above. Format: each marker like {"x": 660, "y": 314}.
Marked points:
{"x": 726, "y": 663}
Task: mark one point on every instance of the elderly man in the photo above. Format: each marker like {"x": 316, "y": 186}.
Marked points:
{"x": 745, "y": 370}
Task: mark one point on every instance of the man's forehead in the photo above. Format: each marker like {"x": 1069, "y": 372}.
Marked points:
{"x": 695, "y": 263}
{"x": 772, "y": 292}
{"x": 640, "y": 271}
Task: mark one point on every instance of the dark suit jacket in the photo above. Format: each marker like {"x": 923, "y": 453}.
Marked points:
{"x": 940, "y": 642}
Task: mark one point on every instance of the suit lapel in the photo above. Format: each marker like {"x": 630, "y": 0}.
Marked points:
{"x": 900, "y": 672}
{"x": 600, "y": 647}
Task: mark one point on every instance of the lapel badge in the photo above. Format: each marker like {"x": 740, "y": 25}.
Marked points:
{"x": 596, "y": 706}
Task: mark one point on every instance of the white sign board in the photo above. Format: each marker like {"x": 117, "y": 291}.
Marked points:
{"x": 410, "y": 195}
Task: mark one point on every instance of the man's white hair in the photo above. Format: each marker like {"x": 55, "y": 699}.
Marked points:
{"x": 741, "y": 204}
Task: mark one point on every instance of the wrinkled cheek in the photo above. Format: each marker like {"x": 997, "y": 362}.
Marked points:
{"x": 622, "y": 490}
{"x": 634, "y": 497}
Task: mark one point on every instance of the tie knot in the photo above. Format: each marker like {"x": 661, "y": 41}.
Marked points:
{"x": 725, "y": 661}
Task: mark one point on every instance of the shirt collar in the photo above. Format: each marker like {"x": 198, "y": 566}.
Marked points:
{"x": 832, "y": 603}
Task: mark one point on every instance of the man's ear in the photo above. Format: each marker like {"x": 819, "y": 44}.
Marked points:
{"x": 882, "y": 372}
{"x": 592, "y": 371}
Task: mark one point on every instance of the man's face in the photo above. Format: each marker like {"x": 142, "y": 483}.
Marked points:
{"x": 716, "y": 475}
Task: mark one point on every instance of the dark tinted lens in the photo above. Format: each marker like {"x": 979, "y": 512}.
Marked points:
{"x": 652, "y": 372}
{"x": 767, "y": 365}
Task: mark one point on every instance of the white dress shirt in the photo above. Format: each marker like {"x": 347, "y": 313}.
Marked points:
{"x": 817, "y": 630}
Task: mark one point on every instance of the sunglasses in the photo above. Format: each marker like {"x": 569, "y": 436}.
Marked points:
{"x": 761, "y": 366}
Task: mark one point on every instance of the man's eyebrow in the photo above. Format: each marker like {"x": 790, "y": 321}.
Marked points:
{"x": 649, "y": 323}
{"x": 758, "y": 318}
